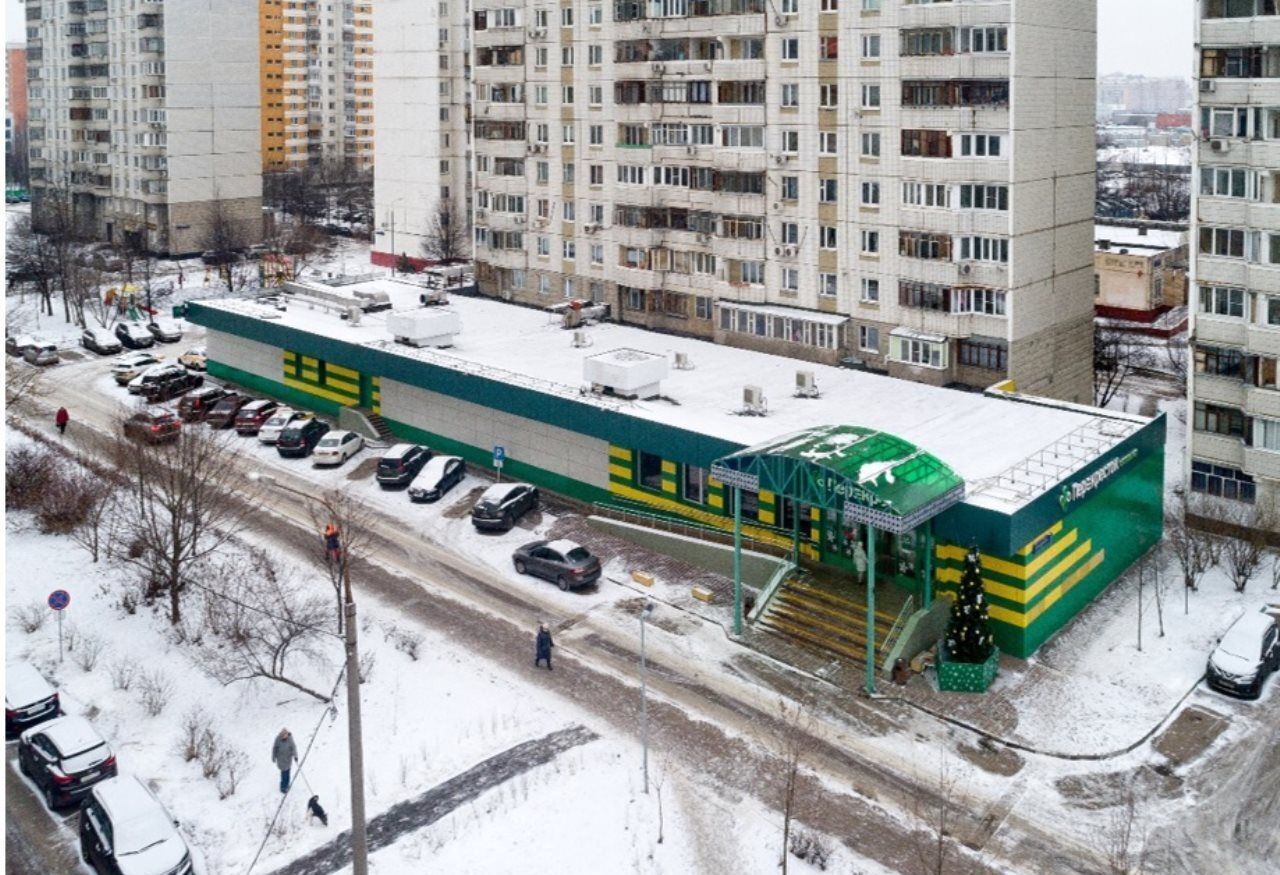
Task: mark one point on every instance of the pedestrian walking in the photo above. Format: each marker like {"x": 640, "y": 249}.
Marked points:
{"x": 332, "y": 544}
{"x": 61, "y": 418}
{"x": 543, "y": 645}
{"x": 284, "y": 753}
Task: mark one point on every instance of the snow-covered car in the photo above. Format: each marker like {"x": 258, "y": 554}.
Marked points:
{"x": 502, "y": 504}
{"x": 400, "y": 464}
{"x": 196, "y": 359}
{"x": 130, "y": 365}
{"x": 165, "y": 330}
{"x": 134, "y": 335}
{"x": 65, "y": 757}
{"x": 154, "y": 374}
{"x": 101, "y": 341}
{"x": 279, "y": 421}
{"x": 336, "y": 447}
{"x": 567, "y": 564}
{"x": 28, "y": 698}
{"x": 17, "y": 344}
{"x": 43, "y": 353}
{"x": 437, "y": 477}
{"x": 1246, "y": 654}
{"x": 125, "y": 829}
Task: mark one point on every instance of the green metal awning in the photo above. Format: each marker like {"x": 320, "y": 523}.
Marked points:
{"x": 869, "y": 476}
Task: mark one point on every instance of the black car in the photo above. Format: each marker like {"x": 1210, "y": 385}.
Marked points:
{"x": 400, "y": 464}
{"x": 134, "y": 335}
{"x": 298, "y": 440}
{"x": 437, "y": 477}
{"x": 125, "y": 829}
{"x": 28, "y": 698}
{"x": 566, "y": 564}
{"x": 502, "y": 504}
{"x": 65, "y": 758}
{"x": 1246, "y": 654}
{"x": 223, "y": 414}
{"x": 196, "y": 404}
{"x": 101, "y": 341}
{"x": 168, "y": 386}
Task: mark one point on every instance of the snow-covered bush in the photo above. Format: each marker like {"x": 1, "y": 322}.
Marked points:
{"x": 234, "y": 765}
{"x": 28, "y": 471}
{"x": 122, "y": 672}
{"x": 367, "y": 661}
{"x": 810, "y": 848}
{"x": 212, "y": 752}
{"x": 154, "y": 691}
{"x": 406, "y": 641}
{"x": 87, "y": 653}
{"x": 195, "y": 723}
{"x": 30, "y": 617}
{"x": 68, "y": 500}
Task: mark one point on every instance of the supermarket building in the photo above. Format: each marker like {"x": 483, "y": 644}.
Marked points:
{"x": 831, "y": 463}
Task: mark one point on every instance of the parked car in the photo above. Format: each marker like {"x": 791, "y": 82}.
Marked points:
{"x": 165, "y": 330}
{"x": 125, "y": 830}
{"x": 131, "y": 364}
{"x": 401, "y": 463}
{"x": 196, "y": 404}
{"x": 101, "y": 341}
{"x": 250, "y": 417}
{"x": 170, "y": 386}
{"x": 565, "y": 563}
{"x": 153, "y": 426}
{"x": 299, "y": 439}
{"x": 502, "y": 504}
{"x": 336, "y": 447}
{"x": 17, "y": 344}
{"x": 437, "y": 477}
{"x": 65, "y": 757}
{"x": 43, "y": 353}
{"x": 155, "y": 374}
{"x": 134, "y": 335}
{"x": 195, "y": 358}
{"x": 28, "y": 698}
{"x": 1246, "y": 654}
{"x": 223, "y": 414}
{"x": 279, "y": 421}
{"x": 216, "y": 257}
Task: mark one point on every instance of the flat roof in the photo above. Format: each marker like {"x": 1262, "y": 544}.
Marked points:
{"x": 1121, "y": 236}
{"x": 991, "y": 442}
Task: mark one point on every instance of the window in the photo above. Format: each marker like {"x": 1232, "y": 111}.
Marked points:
{"x": 828, "y": 95}
{"x": 984, "y": 197}
{"x": 544, "y": 246}
{"x": 649, "y": 470}
{"x": 1222, "y": 482}
{"x": 568, "y": 173}
{"x": 925, "y": 194}
{"x": 1225, "y": 121}
{"x": 870, "y": 194}
{"x": 871, "y": 46}
{"x": 984, "y": 39}
{"x": 702, "y": 307}
{"x": 790, "y": 233}
{"x": 828, "y": 48}
{"x": 871, "y": 145}
{"x": 984, "y": 249}
{"x": 595, "y": 173}
{"x": 979, "y": 145}
{"x": 1266, "y": 434}
{"x": 791, "y": 280}
{"x": 828, "y": 191}
{"x": 742, "y": 136}
{"x": 828, "y": 285}
{"x": 926, "y": 144}
{"x": 991, "y": 355}
{"x": 790, "y": 188}
{"x": 1218, "y": 301}
{"x": 870, "y": 96}
{"x": 752, "y": 272}
{"x": 927, "y": 41}
{"x": 1237, "y": 182}
{"x": 916, "y": 350}
{"x": 870, "y": 290}
{"x": 570, "y": 250}
{"x": 595, "y": 55}
{"x": 694, "y": 486}
{"x": 791, "y": 94}
{"x": 1224, "y": 242}
{"x": 870, "y": 242}
{"x": 1216, "y": 419}
{"x": 790, "y": 141}
{"x": 869, "y": 338}
{"x": 922, "y": 244}
{"x": 1239, "y": 8}
{"x": 985, "y": 302}
{"x": 791, "y": 48}
{"x": 828, "y": 143}
{"x": 1219, "y": 361}
{"x": 597, "y": 253}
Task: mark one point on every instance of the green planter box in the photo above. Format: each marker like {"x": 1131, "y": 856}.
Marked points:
{"x": 966, "y": 677}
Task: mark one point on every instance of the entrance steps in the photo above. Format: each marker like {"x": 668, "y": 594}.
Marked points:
{"x": 366, "y": 423}
{"x": 824, "y": 618}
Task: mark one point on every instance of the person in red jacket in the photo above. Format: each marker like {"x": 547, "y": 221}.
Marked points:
{"x": 61, "y": 419}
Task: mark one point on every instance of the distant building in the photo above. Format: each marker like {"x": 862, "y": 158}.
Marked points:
{"x": 15, "y": 112}
{"x": 1142, "y": 94}
{"x": 1167, "y": 120}
{"x": 1139, "y": 272}
{"x": 1235, "y": 272}
{"x": 145, "y": 120}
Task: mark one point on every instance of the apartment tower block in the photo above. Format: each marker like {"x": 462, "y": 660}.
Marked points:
{"x": 1235, "y": 378}
{"x": 144, "y": 119}
{"x": 897, "y": 185}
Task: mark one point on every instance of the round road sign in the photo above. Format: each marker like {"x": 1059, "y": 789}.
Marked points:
{"x": 59, "y": 599}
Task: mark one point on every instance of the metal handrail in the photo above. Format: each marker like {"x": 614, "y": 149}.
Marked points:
{"x": 695, "y": 530}
{"x": 898, "y": 624}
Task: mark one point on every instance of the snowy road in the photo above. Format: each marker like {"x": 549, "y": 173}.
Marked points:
{"x": 34, "y": 839}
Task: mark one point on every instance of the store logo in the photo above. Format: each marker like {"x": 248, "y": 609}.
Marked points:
{"x": 1081, "y": 488}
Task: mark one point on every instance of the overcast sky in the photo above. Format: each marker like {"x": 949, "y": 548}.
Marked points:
{"x": 1152, "y": 37}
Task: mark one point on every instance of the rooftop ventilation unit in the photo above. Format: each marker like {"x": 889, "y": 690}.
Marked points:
{"x": 626, "y": 373}
{"x": 683, "y": 362}
{"x": 580, "y": 340}
{"x": 436, "y": 327}
{"x": 806, "y": 385}
{"x": 753, "y": 401}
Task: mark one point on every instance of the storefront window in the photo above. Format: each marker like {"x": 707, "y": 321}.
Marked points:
{"x": 695, "y": 484}
{"x": 650, "y": 471}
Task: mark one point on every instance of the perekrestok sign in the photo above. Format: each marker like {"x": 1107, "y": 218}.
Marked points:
{"x": 1081, "y": 488}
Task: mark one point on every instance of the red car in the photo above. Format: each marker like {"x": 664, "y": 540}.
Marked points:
{"x": 153, "y": 426}
{"x": 251, "y": 417}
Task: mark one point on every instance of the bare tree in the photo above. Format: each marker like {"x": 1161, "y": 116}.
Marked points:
{"x": 795, "y": 725}
{"x": 354, "y": 523}
{"x": 933, "y": 803}
{"x": 1176, "y": 351}
{"x": 94, "y": 529}
{"x": 1244, "y": 548}
{"x": 1115, "y": 358}
{"x": 1194, "y": 550}
{"x": 296, "y": 245}
{"x": 266, "y": 619}
{"x": 224, "y": 241}
{"x": 1122, "y": 841}
{"x": 175, "y": 510}
{"x": 447, "y": 238}
{"x": 22, "y": 386}
{"x": 30, "y": 258}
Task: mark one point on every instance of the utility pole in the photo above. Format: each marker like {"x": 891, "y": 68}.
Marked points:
{"x": 355, "y": 737}
{"x": 644, "y": 695}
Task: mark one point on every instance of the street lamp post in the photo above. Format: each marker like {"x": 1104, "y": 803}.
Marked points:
{"x": 355, "y": 735}
{"x": 644, "y": 695}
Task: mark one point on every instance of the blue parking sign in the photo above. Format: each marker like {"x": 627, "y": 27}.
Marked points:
{"x": 499, "y": 456}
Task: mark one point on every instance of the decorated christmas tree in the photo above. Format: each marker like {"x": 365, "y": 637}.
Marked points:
{"x": 969, "y": 637}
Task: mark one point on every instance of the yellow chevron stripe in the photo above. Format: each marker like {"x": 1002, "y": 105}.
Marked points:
{"x": 317, "y": 391}
{"x": 1075, "y": 577}
{"x": 1020, "y": 595}
{"x": 341, "y": 371}
{"x": 342, "y": 385}
{"x": 709, "y": 519}
{"x": 1052, "y": 530}
{"x": 1012, "y": 569}
{"x": 620, "y": 472}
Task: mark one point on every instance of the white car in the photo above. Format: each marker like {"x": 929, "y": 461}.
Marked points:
{"x": 279, "y": 421}
{"x": 165, "y": 330}
{"x": 28, "y": 698}
{"x": 124, "y": 828}
{"x": 131, "y": 364}
{"x": 336, "y": 447}
{"x": 153, "y": 373}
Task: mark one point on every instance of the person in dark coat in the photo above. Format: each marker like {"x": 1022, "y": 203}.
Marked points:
{"x": 284, "y": 753}
{"x": 332, "y": 544}
{"x": 61, "y": 418}
{"x": 543, "y": 646}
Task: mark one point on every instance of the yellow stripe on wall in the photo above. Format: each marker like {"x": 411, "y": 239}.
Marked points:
{"x": 289, "y": 356}
{"x": 619, "y": 472}
{"x": 715, "y": 500}
{"x": 1075, "y": 577}
{"x": 310, "y": 362}
{"x": 703, "y": 517}
{"x": 1021, "y": 595}
{"x": 342, "y": 385}
{"x": 342, "y": 372}
{"x": 1013, "y": 569}
{"x": 668, "y": 467}
{"x": 1052, "y": 530}
{"x": 316, "y": 390}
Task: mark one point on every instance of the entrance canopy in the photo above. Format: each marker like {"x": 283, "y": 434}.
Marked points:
{"x": 869, "y": 476}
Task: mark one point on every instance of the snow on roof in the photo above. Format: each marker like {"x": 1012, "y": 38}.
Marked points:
{"x": 23, "y": 685}
{"x": 1155, "y": 238}
{"x": 1171, "y": 156}
{"x": 71, "y": 735}
{"x": 788, "y": 312}
{"x": 980, "y": 436}
{"x": 563, "y": 546}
